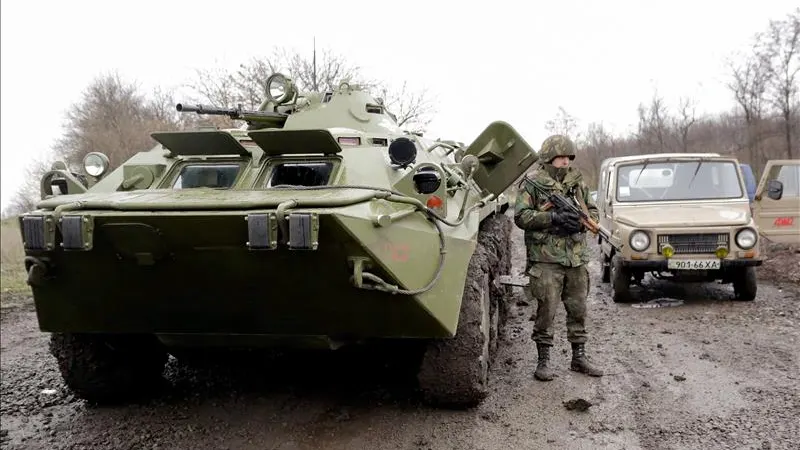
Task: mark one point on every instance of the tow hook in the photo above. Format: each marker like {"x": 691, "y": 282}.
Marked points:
{"x": 37, "y": 270}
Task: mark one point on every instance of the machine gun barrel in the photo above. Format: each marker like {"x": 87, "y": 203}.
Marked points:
{"x": 206, "y": 109}
{"x": 233, "y": 113}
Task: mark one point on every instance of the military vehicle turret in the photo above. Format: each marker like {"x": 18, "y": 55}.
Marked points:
{"x": 317, "y": 222}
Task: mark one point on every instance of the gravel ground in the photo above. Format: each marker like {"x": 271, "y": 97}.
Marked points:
{"x": 706, "y": 373}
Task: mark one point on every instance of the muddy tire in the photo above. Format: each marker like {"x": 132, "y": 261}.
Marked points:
{"x": 455, "y": 372}
{"x": 745, "y": 285}
{"x": 495, "y": 240}
{"x": 105, "y": 369}
{"x": 605, "y": 269}
{"x": 620, "y": 281}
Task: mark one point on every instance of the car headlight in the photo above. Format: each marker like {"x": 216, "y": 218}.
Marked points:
{"x": 746, "y": 238}
{"x": 639, "y": 241}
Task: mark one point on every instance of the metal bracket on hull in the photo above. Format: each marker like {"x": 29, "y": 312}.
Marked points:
{"x": 262, "y": 231}
{"x": 77, "y": 232}
{"x": 359, "y": 264}
{"x": 303, "y": 231}
{"x": 38, "y": 232}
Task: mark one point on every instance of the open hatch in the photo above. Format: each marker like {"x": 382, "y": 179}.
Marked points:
{"x": 200, "y": 143}
{"x": 295, "y": 142}
{"x": 503, "y": 154}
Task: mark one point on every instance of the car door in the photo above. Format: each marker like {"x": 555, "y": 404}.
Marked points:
{"x": 776, "y": 208}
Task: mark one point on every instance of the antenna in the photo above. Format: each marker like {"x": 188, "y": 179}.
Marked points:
{"x": 314, "y": 63}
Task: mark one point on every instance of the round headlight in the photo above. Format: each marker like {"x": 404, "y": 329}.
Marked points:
{"x": 95, "y": 164}
{"x": 279, "y": 88}
{"x": 402, "y": 152}
{"x": 746, "y": 238}
{"x": 639, "y": 241}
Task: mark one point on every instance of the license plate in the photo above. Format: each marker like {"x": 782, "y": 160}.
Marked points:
{"x": 693, "y": 264}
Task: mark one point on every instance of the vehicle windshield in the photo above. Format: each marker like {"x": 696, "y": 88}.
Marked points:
{"x": 678, "y": 180}
{"x": 206, "y": 175}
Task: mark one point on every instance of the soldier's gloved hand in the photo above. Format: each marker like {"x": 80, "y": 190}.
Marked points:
{"x": 572, "y": 227}
{"x": 566, "y": 222}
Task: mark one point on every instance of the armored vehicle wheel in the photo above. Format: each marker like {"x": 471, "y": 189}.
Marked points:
{"x": 745, "y": 285}
{"x": 108, "y": 368}
{"x": 454, "y": 372}
{"x": 620, "y": 281}
{"x": 494, "y": 327}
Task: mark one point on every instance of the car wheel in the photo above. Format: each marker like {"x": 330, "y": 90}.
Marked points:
{"x": 745, "y": 286}
{"x": 620, "y": 281}
{"x": 605, "y": 269}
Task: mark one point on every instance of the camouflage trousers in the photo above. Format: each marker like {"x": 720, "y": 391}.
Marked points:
{"x": 551, "y": 284}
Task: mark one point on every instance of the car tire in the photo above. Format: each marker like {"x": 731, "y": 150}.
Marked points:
{"x": 620, "y": 281}
{"x": 745, "y": 285}
{"x": 605, "y": 269}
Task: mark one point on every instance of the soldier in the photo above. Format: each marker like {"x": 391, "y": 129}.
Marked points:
{"x": 557, "y": 253}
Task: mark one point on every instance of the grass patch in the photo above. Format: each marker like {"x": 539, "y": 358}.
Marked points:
{"x": 12, "y": 268}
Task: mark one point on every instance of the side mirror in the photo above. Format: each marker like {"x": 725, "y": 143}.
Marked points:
{"x": 775, "y": 189}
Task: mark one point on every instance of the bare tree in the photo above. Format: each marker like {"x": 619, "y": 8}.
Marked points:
{"x": 218, "y": 86}
{"x": 684, "y": 121}
{"x": 563, "y": 123}
{"x": 764, "y": 125}
{"x": 748, "y": 84}
{"x": 780, "y": 54}
{"x": 597, "y": 137}
{"x": 112, "y": 117}
{"x": 28, "y": 194}
{"x": 598, "y": 145}
{"x": 413, "y": 110}
{"x": 321, "y": 71}
{"x": 653, "y": 125}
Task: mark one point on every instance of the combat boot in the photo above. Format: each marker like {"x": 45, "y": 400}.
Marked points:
{"x": 543, "y": 371}
{"x": 580, "y": 364}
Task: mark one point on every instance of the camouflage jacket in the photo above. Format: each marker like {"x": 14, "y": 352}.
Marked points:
{"x": 540, "y": 241}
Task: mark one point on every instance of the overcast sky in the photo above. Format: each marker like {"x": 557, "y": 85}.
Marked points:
{"x": 597, "y": 59}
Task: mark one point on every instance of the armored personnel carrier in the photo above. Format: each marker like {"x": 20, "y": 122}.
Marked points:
{"x": 318, "y": 222}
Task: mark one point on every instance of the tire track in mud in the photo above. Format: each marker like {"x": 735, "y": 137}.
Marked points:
{"x": 736, "y": 365}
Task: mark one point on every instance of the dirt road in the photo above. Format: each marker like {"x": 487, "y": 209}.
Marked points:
{"x": 709, "y": 373}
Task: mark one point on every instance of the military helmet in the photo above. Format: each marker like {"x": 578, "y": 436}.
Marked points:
{"x": 556, "y": 145}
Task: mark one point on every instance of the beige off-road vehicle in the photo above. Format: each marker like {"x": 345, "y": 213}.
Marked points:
{"x": 678, "y": 216}
{"x": 776, "y": 206}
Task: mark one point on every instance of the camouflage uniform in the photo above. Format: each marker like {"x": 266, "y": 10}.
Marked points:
{"x": 557, "y": 254}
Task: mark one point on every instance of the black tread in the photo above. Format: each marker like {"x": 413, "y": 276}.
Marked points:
{"x": 745, "y": 285}
{"x": 108, "y": 368}
{"x": 620, "y": 281}
{"x": 454, "y": 372}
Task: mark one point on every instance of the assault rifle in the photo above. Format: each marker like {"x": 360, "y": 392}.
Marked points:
{"x": 250, "y": 116}
{"x": 562, "y": 203}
